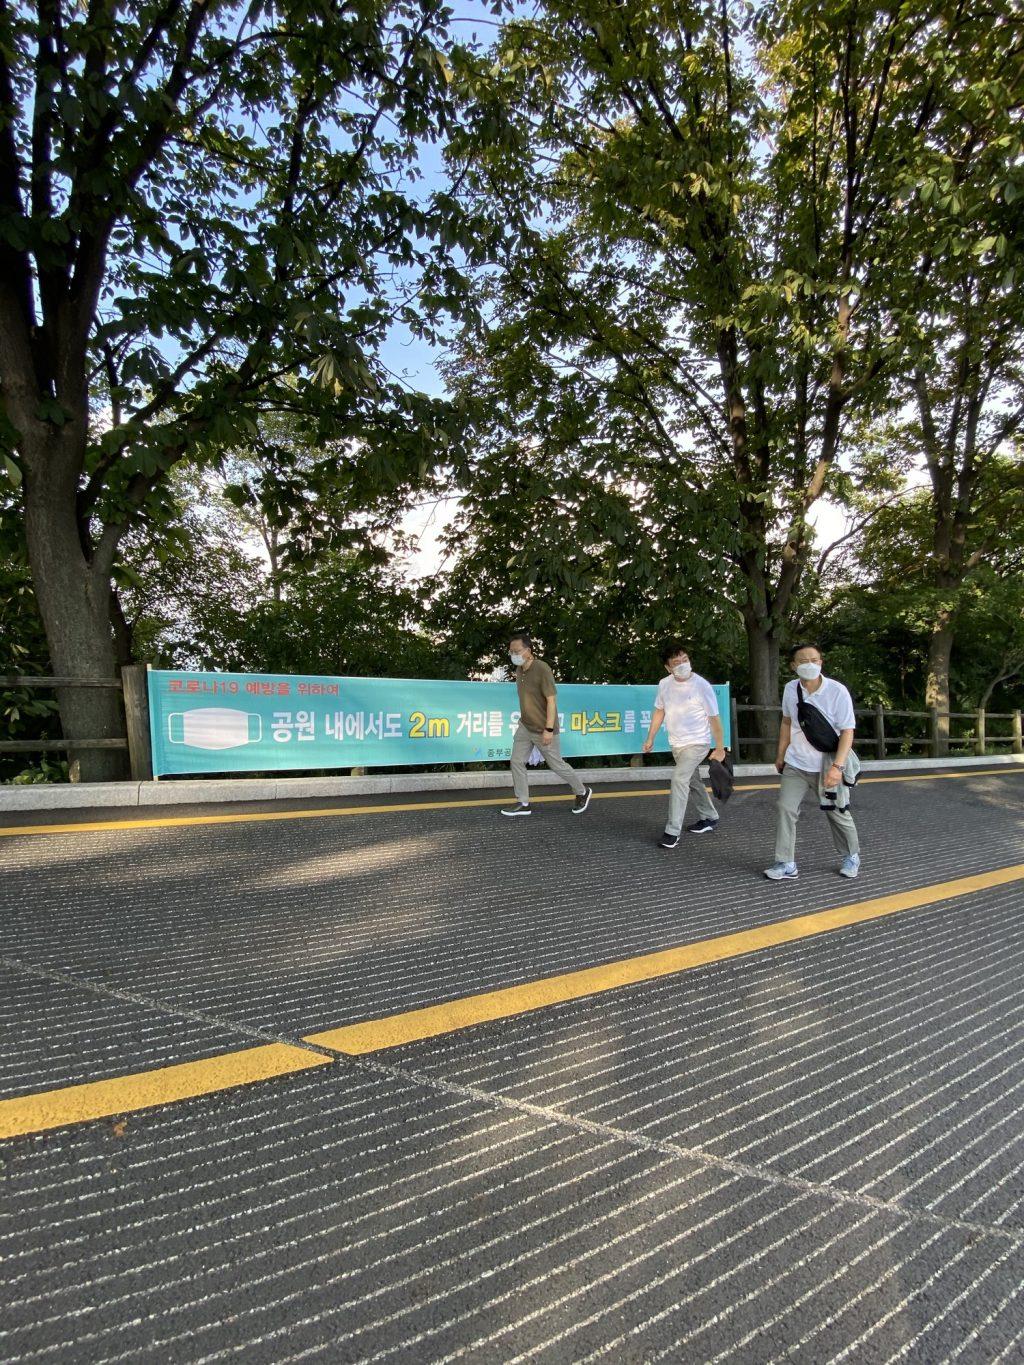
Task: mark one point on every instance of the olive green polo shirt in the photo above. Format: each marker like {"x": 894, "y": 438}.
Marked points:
{"x": 535, "y": 684}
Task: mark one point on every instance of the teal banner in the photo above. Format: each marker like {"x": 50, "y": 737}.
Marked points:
{"x": 258, "y": 722}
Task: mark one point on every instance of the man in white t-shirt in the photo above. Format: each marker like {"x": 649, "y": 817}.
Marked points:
{"x": 686, "y": 702}
{"x": 807, "y": 768}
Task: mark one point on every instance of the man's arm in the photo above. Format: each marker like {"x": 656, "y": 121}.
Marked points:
{"x": 552, "y": 705}
{"x": 835, "y": 774}
{"x": 785, "y": 735}
{"x": 657, "y": 716}
{"x": 718, "y": 735}
{"x": 550, "y": 699}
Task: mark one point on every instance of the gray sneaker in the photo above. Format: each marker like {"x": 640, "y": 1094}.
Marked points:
{"x": 850, "y": 866}
{"x": 781, "y": 872}
{"x": 517, "y": 809}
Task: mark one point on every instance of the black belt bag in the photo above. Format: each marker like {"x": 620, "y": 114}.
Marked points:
{"x": 814, "y": 723}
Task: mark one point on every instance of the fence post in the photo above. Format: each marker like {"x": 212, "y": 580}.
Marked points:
{"x": 1017, "y": 746}
{"x": 734, "y": 726}
{"x": 136, "y": 714}
{"x": 935, "y": 738}
{"x": 979, "y": 741}
{"x": 879, "y": 731}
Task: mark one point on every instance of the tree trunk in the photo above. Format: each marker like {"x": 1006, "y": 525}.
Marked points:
{"x": 74, "y": 602}
{"x": 124, "y": 636}
{"x": 763, "y": 654}
{"x": 940, "y": 649}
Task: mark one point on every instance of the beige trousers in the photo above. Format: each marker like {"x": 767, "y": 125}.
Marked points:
{"x": 521, "y": 746}
{"x": 796, "y": 783}
{"x": 687, "y": 784}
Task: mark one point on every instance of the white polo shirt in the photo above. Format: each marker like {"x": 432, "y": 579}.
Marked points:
{"x": 835, "y": 704}
{"x": 687, "y": 706}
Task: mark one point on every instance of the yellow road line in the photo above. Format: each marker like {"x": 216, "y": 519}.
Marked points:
{"x": 240, "y": 818}
{"x": 126, "y": 1094}
{"x": 414, "y": 1025}
{"x": 144, "y": 1090}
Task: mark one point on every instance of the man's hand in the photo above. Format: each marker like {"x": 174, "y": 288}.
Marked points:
{"x": 780, "y": 763}
{"x": 834, "y": 776}
{"x": 647, "y": 746}
{"x": 717, "y": 754}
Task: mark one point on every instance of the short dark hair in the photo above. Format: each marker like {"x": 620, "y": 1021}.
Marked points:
{"x": 671, "y": 647}
{"x": 521, "y": 635}
{"x": 808, "y": 644}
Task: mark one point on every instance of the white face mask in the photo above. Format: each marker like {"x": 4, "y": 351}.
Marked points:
{"x": 808, "y": 671}
{"x": 682, "y": 671}
{"x": 518, "y": 659}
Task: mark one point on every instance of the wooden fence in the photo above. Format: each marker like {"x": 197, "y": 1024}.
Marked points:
{"x": 921, "y": 730}
{"x": 131, "y": 685}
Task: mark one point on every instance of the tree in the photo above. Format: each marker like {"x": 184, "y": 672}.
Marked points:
{"x": 959, "y": 312}
{"x": 875, "y": 613}
{"x": 201, "y": 591}
{"x": 186, "y": 586}
{"x": 25, "y": 713}
{"x": 207, "y": 211}
{"x": 990, "y": 657}
{"x": 569, "y": 523}
{"x": 710, "y": 212}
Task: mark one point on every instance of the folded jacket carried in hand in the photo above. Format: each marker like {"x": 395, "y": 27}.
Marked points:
{"x": 721, "y": 777}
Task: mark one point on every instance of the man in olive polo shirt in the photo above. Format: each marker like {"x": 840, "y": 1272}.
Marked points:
{"x": 538, "y": 725}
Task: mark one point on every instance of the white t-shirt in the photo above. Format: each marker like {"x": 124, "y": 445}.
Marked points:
{"x": 687, "y": 706}
{"x": 835, "y": 704}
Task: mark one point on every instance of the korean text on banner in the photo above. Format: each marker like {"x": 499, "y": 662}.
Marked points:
{"x": 257, "y": 722}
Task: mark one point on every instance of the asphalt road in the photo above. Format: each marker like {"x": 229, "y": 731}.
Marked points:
{"x": 806, "y": 1151}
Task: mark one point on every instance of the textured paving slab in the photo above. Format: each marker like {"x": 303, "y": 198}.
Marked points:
{"x": 55, "y": 1033}
{"x": 361, "y": 1216}
{"x": 809, "y": 1155}
{"x": 360, "y": 916}
{"x": 887, "y": 1060}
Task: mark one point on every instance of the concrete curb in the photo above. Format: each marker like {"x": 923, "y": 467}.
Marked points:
{"x": 66, "y": 796}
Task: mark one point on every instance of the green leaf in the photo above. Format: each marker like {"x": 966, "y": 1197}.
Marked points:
{"x": 50, "y": 410}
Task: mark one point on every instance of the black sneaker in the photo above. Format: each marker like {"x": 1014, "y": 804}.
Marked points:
{"x": 702, "y": 827}
{"x": 582, "y": 802}
{"x": 668, "y": 841}
{"x": 517, "y": 809}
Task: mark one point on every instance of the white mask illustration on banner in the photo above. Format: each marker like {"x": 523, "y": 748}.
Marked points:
{"x": 210, "y": 727}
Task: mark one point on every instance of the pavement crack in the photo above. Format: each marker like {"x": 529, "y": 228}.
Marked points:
{"x": 162, "y": 1006}
{"x": 743, "y": 1169}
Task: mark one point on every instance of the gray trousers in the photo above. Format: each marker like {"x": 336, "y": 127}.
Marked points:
{"x": 796, "y": 783}
{"x": 521, "y": 746}
{"x": 686, "y": 783}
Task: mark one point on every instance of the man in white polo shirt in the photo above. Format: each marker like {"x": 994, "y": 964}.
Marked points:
{"x": 688, "y": 705}
{"x": 806, "y": 767}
